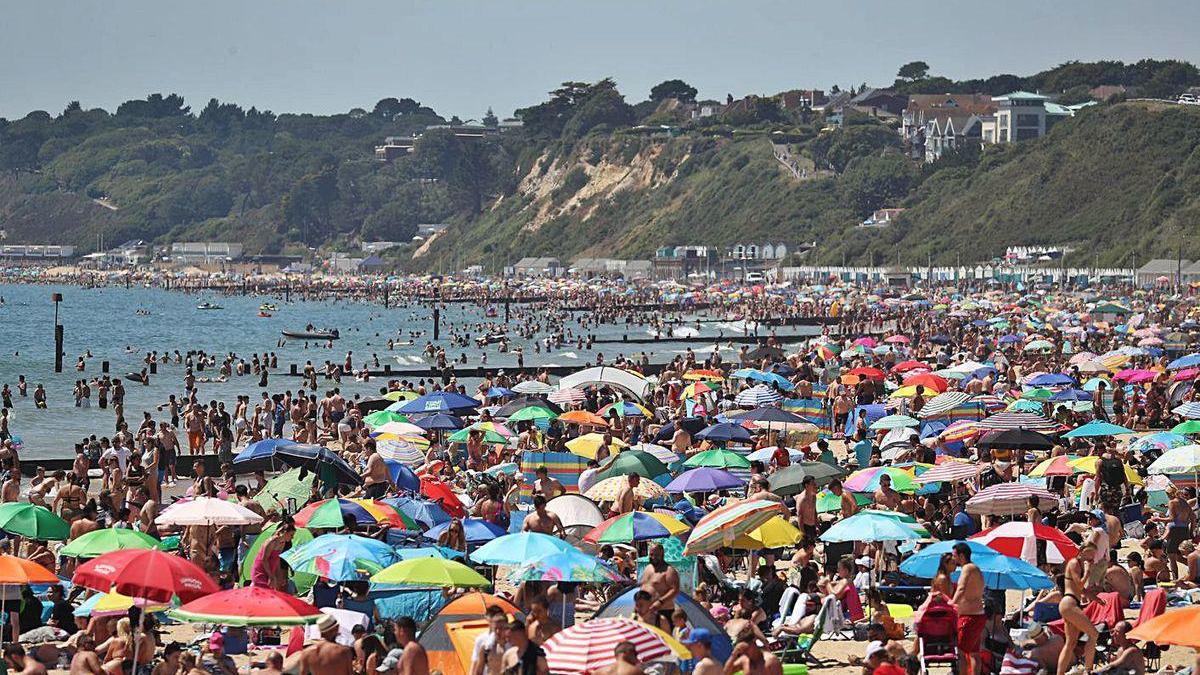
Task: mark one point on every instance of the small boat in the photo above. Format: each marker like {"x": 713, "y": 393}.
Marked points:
{"x": 208, "y": 305}
{"x": 265, "y": 315}
{"x": 267, "y": 307}
{"x": 311, "y": 334}
{"x": 491, "y": 312}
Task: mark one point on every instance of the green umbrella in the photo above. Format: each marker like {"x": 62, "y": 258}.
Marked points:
{"x": 382, "y": 417}
{"x": 1188, "y": 427}
{"x": 303, "y": 580}
{"x": 533, "y": 412}
{"x": 431, "y": 573}
{"x": 1038, "y": 394}
{"x": 99, "y": 542}
{"x": 717, "y": 458}
{"x": 634, "y": 461}
{"x": 827, "y": 502}
{"x": 287, "y": 485}
{"x": 786, "y": 482}
{"x": 33, "y": 521}
{"x": 461, "y": 435}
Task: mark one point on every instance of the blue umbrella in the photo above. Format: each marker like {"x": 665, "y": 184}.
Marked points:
{"x": 428, "y": 552}
{"x": 500, "y": 392}
{"x": 264, "y": 449}
{"x": 477, "y": 531}
{"x": 1000, "y": 572}
{"x": 704, "y": 479}
{"x": 315, "y": 458}
{"x": 402, "y": 476}
{"x": 340, "y": 556}
{"x": 1184, "y": 362}
{"x": 770, "y": 378}
{"x": 724, "y": 432}
{"x": 1097, "y": 428}
{"x": 519, "y": 548}
{"x": 428, "y": 513}
{"x": 439, "y": 401}
{"x": 573, "y": 566}
{"x": 924, "y": 563}
{"x": 1071, "y": 395}
{"x": 1051, "y": 380}
{"x": 440, "y": 422}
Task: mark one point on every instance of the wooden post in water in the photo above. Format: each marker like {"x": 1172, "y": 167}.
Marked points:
{"x": 506, "y": 310}
{"x": 437, "y": 319}
{"x": 385, "y": 296}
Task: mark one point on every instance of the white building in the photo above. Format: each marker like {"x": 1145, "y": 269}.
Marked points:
{"x": 205, "y": 251}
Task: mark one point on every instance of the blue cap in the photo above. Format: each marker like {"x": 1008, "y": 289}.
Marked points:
{"x": 701, "y": 635}
{"x": 1098, "y": 514}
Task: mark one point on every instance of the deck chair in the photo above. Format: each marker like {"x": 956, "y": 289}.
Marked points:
{"x": 798, "y": 611}
{"x": 850, "y": 611}
{"x": 786, "y": 602}
{"x": 799, "y": 650}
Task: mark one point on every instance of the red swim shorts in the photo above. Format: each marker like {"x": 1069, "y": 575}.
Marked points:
{"x": 970, "y": 633}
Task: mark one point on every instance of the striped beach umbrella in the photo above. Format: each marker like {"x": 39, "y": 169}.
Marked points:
{"x": 636, "y": 526}
{"x": 1008, "y": 499}
{"x": 570, "y": 396}
{"x": 402, "y": 449}
{"x": 588, "y": 647}
{"x": 961, "y": 431}
{"x": 943, "y": 403}
{"x": 1189, "y": 409}
{"x": 723, "y": 526}
{"x": 949, "y": 471}
{"x": 1003, "y": 421}
{"x": 757, "y": 396}
{"x": 533, "y": 387}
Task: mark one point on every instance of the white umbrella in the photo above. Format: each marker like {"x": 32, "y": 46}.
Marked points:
{"x": 1184, "y": 459}
{"x": 660, "y": 453}
{"x": 757, "y": 396}
{"x": 567, "y": 396}
{"x": 400, "y": 429}
{"x": 533, "y": 387}
{"x": 207, "y": 511}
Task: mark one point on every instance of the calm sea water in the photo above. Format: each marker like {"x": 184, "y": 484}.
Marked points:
{"x": 105, "y": 321}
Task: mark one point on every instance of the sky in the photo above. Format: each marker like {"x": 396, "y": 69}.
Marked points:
{"x": 462, "y": 56}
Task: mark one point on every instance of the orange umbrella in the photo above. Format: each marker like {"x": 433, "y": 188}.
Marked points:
{"x": 1175, "y": 627}
{"x": 703, "y": 374}
{"x": 18, "y": 571}
{"x": 582, "y": 417}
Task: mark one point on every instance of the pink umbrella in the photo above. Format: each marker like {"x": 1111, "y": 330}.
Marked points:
{"x": 1007, "y": 499}
{"x": 1150, "y": 342}
{"x": 896, "y": 340}
{"x": 1135, "y": 375}
{"x": 1082, "y": 357}
{"x": 867, "y": 342}
{"x": 1186, "y": 374}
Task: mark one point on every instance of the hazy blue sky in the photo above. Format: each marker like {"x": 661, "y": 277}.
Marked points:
{"x": 462, "y": 56}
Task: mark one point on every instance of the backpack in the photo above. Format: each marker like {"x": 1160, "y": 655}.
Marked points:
{"x": 1112, "y": 471}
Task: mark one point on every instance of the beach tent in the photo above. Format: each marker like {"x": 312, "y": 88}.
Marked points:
{"x": 564, "y": 467}
{"x": 436, "y": 637}
{"x": 618, "y": 378}
{"x": 621, "y": 606}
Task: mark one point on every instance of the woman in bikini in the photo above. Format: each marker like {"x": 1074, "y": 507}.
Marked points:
{"x": 1071, "y": 608}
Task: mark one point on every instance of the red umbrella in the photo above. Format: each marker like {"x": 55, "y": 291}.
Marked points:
{"x": 905, "y": 366}
{"x": 441, "y": 493}
{"x": 928, "y": 380}
{"x": 249, "y": 606}
{"x": 148, "y": 574}
{"x": 868, "y": 372}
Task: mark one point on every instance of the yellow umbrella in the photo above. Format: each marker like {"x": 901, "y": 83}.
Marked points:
{"x": 588, "y": 445}
{"x": 414, "y": 440}
{"x": 608, "y": 489}
{"x": 1091, "y": 464}
{"x": 775, "y": 533}
{"x": 904, "y": 392}
{"x": 677, "y": 648}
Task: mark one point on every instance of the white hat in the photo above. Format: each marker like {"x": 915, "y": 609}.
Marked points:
{"x": 865, "y": 561}
{"x": 874, "y": 648}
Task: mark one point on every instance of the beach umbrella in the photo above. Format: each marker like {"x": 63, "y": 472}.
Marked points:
{"x": 1014, "y": 421}
{"x": 635, "y": 526}
{"x": 425, "y": 512}
{"x": 439, "y": 402}
{"x": 704, "y": 479}
{"x": 340, "y": 557}
{"x": 621, "y": 605}
{"x": 609, "y": 489}
{"x": 410, "y": 552}
{"x": 443, "y": 495}
{"x": 403, "y": 477}
{"x": 1097, "y": 428}
{"x": 931, "y": 382}
{"x": 769, "y": 415}
{"x": 532, "y": 413}
{"x": 787, "y": 481}
{"x": 1162, "y": 441}
{"x": 768, "y": 453}
{"x": 894, "y": 422}
{"x": 717, "y": 458}
{"x": 722, "y": 526}
{"x": 319, "y": 459}
{"x": 625, "y": 409}
{"x": 519, "y": 548}
{"x": 396, "y": 396}
{"x": 568, "y": 396}
{"x": 692, "y": 425}
{"x": 758, "y": 395}
{"x": 523, "y": 402}
{"x": 701, "y": 374}
{"x": 948, "y": 471}
{"x": 1016, "y": 439}
{"x": 588, "y": 445}
{"x": 867, "y": 480}
{"x": 145, "y": 573}
{"x": 660, "y": 453}
{"x": 1188, "y": 409}
{"x": 399, "y": 429}
{"x": 582, "y": 417}
{"x": 1189, "y": 361}
{"x": 827, "y": 502}
{"x": 588, "y": 647}
{"x": 634, "y": 461}
{"x": 261, "y": 450}
{"x": 16, "y": 571}
{"x": 207, "y": 511}
{"x": 775, "y": 533}
{"x": 294, "y": 484}
{"x": 430, "y": 573}
{"x": 331, "y": 513}
{"x": 924, "y": 563}
{"x": 533, "y": 387}
{"x": 33, "y": 521}
{"x": 868, "y": 373}
{"x": 1000, "y": 572}
{"x": 1054, "y": 466}
{"x": 404, "y": 449}
{"x": 1006, "y": 499}
{"x": 248, "y": 606}
{"x": 500, "y": 392}
{"x": 382, "y": 417}
{"x": 1183, "y": 459}
{"x": 869, "y": 526}
{"x": 723, "y": 433}
{"x": 1187, "y": 428}
{"x": 943, "y": 404}
{"x": 1019, "y": 540}
{"x": 476, "y": 530}
{"x": 489, "y": 436}
{"x": 440, "y": 422}
{"x": 1174, "y": 627}
{"x": 571, "y": 566}
{"x": 99, "y": 542}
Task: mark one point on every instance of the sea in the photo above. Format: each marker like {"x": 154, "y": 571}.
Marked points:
{"x": 120, "y": 325}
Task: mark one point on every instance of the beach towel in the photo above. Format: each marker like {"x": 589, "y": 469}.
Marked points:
{"x": 1153, "y": 604}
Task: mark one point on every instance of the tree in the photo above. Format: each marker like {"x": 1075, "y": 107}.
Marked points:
{"x": 390, "y": 108}
{"x": 676, "y": 89}
{"x": 490, "y": 119}
{"x": 72, "y": 107}
{"x": 913, "y": 71}
{"x": 604, "y": 107}
{"x": 155, "y": 106}
{"x": 875, "y": 182}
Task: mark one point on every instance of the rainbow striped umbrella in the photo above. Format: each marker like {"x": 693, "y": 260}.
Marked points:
{"x": 723, "y": 526}
{"x": 636, "y": 526}
{"x": 867, "y": 480}
{"x": 331, "y": 513}
{"x": 961, "y": 431}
